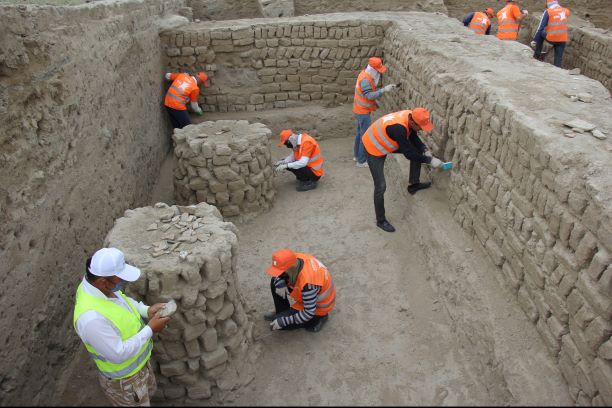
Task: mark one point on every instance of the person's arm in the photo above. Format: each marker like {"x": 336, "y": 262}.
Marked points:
{"x": 518, "y": 14}
{"x": 309, "y": 297}
{"x": 410, "y": 151}
{"x": 100, "y": 333}
{"x": 307, "y": 152}
{"x": 468, "y": 19}
{"x": 539, "y": 34}
{"x": 170, "y": 76}
{"x": 488, "y": 32}
{"x": 289, "y": 159}
{"x": 368, "y": 93}
{"x": 140, "y": 307}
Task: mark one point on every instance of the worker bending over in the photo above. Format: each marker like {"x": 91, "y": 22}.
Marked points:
{"x": 480, "y": 21}
{"x": 508, "y": 21}
{"x": 111, "y": 326}
{"x": 308, "y": 282}
{"x": 365, "y": 102}
{"x": 554, "y": 29}
{"x": 305, "y": 160}
{"x": 184, "y": 89}
{"x": 397, "y": 133}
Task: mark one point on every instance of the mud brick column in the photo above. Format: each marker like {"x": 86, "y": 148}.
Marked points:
{"x": 188, "y": 254}
{"x": 227, "y": 164}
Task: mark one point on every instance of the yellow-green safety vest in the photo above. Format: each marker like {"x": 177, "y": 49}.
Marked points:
{"x": 128, "y": 323}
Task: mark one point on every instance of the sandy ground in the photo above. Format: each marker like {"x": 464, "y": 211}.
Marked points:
{"x": 419, "y": 320}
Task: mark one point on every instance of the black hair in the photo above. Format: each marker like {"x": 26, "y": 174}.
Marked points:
{"x": 90, "y": 276}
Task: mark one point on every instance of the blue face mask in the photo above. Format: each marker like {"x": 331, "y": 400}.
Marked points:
{"x": 119, "y": 286}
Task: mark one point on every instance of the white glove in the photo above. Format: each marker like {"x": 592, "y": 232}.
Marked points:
{"x": 533, "y": 44}
{"x": 279, "y": 162}
{"x": 525, "y": 12}
{"x": 427, "y": 153}
{"x": 168, "y": 75}
{"x": 280, "y": 168}
{"x": 282, "y": 291}
{"x": 435, "y": 162}
{"x": 389, "y": 87}
{"x": 275, "y": 325}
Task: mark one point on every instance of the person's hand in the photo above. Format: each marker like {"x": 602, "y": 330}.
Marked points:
{"x": 427, "y": 153}
{"x": 435, "y": 162}
{"x": 525, "y": 11}
{"x": 199, "y": 112}
{"x": 158, "y": 324}
{"x": 275, "y": 325}
{"x": 533, "y": 44}
{"x": 280, "y": 168}
{"x": 154, "y": 309}
{"x": 389, "y": 87}
{"x": 279, "y": 162}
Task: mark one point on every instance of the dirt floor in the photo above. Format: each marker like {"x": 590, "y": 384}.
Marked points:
{"x": 421, "y": 318}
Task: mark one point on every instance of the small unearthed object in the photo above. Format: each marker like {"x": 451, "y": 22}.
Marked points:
{"x": 573, "y": 98}
{"x": 468, "y": 250}
{"x": 167, "y": 310}
{"x": 598, "y": 134}
{"x": 580, "y": 124}
{"x": 585, "y": 97}
{"x": 152, "y": 227}
{"x": 447, "y": 166}
{"x": 569, "y": 134}
{"x": 145, "y": 247}
{"x": 183, "y": 255}
{"x": 575, "y": 71}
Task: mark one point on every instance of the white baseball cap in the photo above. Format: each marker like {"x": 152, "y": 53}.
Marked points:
{"x": 111, "y": 262}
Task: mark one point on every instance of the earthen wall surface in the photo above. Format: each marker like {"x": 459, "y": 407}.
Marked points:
{"x": 82, "y": 136}
{"x": 537, "y": 201}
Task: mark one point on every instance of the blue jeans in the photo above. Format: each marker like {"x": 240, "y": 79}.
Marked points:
{"x": 363, "y": 123}
{"x": 558, "y": 47}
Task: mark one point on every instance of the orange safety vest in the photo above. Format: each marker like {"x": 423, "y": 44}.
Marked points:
{"x": 557, "y": 29}
{"x": 479, "y": 23}
{"x": 315, "y": 273}
{"x": 375, "y": 139}
{"x": 508, "y": 26}
{"x": 183, "y": 89}
{"x": 361, "y": 104}
{"x": 309, "y": 147}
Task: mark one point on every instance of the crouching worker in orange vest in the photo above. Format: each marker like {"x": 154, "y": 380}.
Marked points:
{"x": 397, "y": 133}
{"x": 184, "y": 89}
{"x": 305, "y": 161}
{"x": 111, "y": 326}
{"x": 480, "y": 21}
{"x": 308, "y": 282}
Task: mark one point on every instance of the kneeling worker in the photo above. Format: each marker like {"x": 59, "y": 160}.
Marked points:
{"x": 111, "y": 326}
{"x": 308, "y": 282}
{"x": 306, "y": 161}
{"x": 184, "y": 89}
{"x": 397, "y": 133}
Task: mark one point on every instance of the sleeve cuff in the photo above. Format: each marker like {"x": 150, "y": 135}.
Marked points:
{"x": 147, "y": 332}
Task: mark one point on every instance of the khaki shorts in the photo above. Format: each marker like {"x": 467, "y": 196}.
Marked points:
{"x": 134, "y": 391}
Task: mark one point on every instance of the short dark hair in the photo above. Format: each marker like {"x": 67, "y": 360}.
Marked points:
{"x": 90, "y": 276}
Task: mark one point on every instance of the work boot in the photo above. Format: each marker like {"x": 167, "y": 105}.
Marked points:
{"x": 306, "y": 185}
{"x": 385, "y": 225}
{"x": 317, "y": 327}
{"x": 413, "y": 188}
{"x": 269, "y": 316}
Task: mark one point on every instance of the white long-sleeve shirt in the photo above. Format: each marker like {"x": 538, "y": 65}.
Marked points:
{"x": 297, "y": 164}
{"x": 97, "y": 331}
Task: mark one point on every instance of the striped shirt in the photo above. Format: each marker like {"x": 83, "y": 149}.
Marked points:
{"x": 309, "y": 297}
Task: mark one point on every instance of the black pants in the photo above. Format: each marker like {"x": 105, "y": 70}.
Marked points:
{"x": 377, "y": 169}
{"x": 304, "y": 174}
{"x": 179, "y": 118}
{"x": 283, "y": 308}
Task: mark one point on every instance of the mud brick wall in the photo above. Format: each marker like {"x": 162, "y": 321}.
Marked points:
{"x": 538, "y": 202}
{"x": 261, "y": 64}
{"x": 188, "y": 254}
{"x": 227, "y": 164}
{"x": 589, "y": 49}
{"x": 72, "y": 80}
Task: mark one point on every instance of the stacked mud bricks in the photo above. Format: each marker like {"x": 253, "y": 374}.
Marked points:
{"x": 286, "y": 64}
{"x": 548, "y": 231}
{"x": 188, "y": 254}
{"x": 224, "y": 163}
{"x": 589, "y": 49}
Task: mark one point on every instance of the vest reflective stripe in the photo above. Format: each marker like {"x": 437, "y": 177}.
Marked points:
{"x": 361, "y": 104}
{"x": 316, "y": 161}
{"x": 179, "y": 96}
{"x": 127, "y": 323}
{"x": 315, "y": 273}
{"x": 557, "y": 28}
{"x": 477, "y": 23}
{"x": 178, "y": 93}
{"x": 375, "y": 139}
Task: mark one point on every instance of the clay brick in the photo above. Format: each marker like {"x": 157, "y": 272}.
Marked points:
{"x": 602, "y": 377}
{"x": 601, "y": 260}
{"x": 215, "y": 358}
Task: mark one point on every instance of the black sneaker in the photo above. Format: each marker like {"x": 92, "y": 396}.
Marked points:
{"x": 306, "y": 185}
{"x": 413, "y": 188}
{"x": 385, "y": 225}
{"x": 269, "y": 316}
{"x": 317, "y": 327}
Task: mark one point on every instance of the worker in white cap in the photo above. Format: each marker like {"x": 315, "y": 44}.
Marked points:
{"x": 111, "y": 326}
